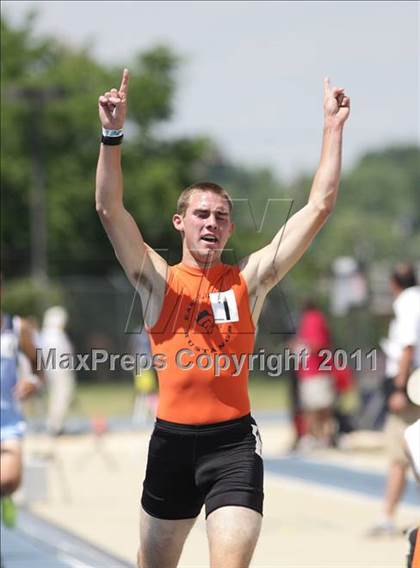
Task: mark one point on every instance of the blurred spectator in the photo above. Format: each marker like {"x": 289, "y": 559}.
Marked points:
{"x": 17, "y": 382}
{"x": 297, "y": 416}
{"x": 345, "y": 396}
{"x": 315, "y": 385}
{"x": 412, "y": 439}
{"x": 145, "y": 382}
{"x": 296, "y": 412}
{"x": 402, "y": 349}
{"x": 61, "y": 382}
{"x": 347, "y": 401}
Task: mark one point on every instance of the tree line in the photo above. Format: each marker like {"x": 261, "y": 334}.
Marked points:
{"x": 50, "y": 137}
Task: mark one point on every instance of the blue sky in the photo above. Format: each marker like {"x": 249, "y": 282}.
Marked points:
{"x": 252, "y": 72}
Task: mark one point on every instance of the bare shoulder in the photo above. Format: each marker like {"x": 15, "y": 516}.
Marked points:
{"x": 153, "y": 271}
{"x": 246, "y": 269}
{"x": 249, "y": 268}
{"x": 150, "y": 283}
{"x": 257, "y": 292}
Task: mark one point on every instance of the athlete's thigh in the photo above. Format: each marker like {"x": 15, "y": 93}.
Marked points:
{"x": 233, "y": 533}
{"x": 11, "y": 463}
{"x": 161, "y": 541}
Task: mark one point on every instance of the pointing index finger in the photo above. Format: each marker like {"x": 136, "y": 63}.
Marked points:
{"x": 327, "y": 87}
{"x": 124, "y": 82}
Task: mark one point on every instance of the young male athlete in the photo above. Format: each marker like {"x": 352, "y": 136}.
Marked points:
{"x": 201, "y": 315}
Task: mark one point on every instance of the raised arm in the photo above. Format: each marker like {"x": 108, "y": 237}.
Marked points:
{"x": 144, "y": 267}
{"x": 265, "y": 268}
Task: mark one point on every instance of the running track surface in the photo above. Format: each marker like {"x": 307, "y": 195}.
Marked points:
{"x": 40, "y": 544}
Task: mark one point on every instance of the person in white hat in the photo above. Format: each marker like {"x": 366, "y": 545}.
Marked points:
{"x": 403, "y": 356}
{"x": 61, "y": 382}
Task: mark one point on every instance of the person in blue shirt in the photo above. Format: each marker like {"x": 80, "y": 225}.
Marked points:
{"x": 16, "y": 341}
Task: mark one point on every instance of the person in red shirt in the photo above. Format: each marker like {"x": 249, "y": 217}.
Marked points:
{"x": 316, "y": 384}
{"x": 201, "y": 316}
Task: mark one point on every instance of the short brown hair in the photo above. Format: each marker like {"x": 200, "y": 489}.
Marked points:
{"x": 404, "y": 275}
{"x": 184, "y": 198}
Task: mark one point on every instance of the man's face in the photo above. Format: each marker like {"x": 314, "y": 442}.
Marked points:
{"x": 206, "y": 225}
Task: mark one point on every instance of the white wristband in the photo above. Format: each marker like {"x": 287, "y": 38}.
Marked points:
{"x": 112, "y": 133}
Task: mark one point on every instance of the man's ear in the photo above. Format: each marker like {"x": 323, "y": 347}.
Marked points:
{"x": 232, "y": 229}
{"x": 178, "y": 222}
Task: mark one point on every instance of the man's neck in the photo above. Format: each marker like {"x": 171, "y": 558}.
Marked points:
{"x": 190, "y": 260}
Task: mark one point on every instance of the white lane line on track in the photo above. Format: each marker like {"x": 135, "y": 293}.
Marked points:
{"x": 321, "y": 489}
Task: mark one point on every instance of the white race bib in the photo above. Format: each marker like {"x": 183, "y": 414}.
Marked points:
{"x": 224, "y": 306}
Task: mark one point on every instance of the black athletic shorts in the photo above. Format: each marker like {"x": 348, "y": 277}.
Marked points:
{"x": 213, "y": 464}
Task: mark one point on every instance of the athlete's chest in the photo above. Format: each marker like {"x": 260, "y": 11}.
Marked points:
{"x": 206, "y": 318}
{"x": 211, "y": 320}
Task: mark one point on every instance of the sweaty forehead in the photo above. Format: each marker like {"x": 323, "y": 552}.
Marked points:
{"x": 207, "y": 200}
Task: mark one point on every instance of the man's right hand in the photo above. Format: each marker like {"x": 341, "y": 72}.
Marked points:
{"x": 113, "y": 105}
{"x": 26, "y": 387}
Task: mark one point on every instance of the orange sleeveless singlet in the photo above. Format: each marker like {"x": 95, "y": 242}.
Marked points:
{"x": 416, "y": 559}
{"x": 205, "y": 334}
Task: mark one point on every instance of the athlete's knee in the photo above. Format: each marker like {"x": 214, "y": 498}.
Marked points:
{"x": 10, "y": 482}
{"x": 233, "y": 534}
{"x": 11, "y": 472}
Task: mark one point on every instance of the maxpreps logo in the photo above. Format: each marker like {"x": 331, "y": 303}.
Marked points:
{"x": 200, "y": 329}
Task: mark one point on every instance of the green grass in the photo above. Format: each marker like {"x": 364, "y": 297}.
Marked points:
{"x": 105, "y": 399}
{"x": 268, "y": 393}
{"x": 116, "y": 398}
